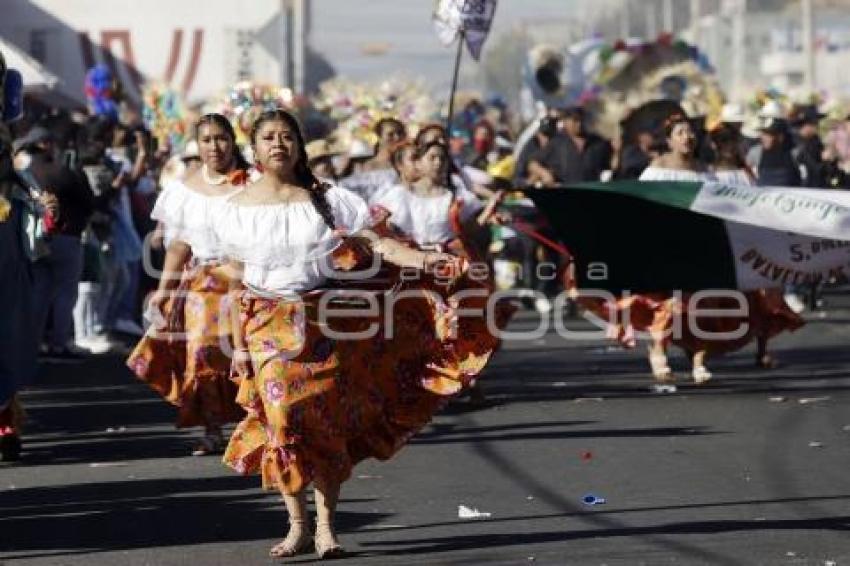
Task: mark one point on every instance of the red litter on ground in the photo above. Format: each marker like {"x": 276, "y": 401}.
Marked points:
{"x": 587, "y": 455}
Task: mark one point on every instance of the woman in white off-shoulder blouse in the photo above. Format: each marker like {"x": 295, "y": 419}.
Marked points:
{"x": 184, "y": 356}
{"x": 677, "y": 164}
{"x": 318, "y": 401}
{"x": 422, "y": 206}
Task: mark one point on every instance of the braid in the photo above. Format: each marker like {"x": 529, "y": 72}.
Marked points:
{"x": 319, "y": 198}
{"x": 303, "y": 174}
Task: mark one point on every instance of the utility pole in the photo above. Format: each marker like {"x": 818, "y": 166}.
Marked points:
{"x": 810, "y": 79}
{"x": 283, "y": 41}
{"x": 292, "y": 38}
{"x": 299, "y": 45}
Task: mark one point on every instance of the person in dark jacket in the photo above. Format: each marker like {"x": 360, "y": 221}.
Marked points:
{"x": 56, "y": 276}
{"x": 544, "y": 160}
{"x": 589, "y": 154}
{"x": 771, "y": 159}
{"x": 18, "y": 339}
{"x": 809, "y": 148}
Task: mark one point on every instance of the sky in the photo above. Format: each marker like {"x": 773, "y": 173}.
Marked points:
{"x": 402, "y": 31}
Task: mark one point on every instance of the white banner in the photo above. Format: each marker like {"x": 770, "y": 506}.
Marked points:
{"x": 474, "y": 17}
{"x": 767, "y": 258}
{"x": 822, "y": 213}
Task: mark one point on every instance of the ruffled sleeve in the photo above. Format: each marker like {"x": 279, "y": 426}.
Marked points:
{"x": 368, "y": 184}
{"x": 395, "y": 200}
{"x": 171, "y": 208}
{"x": 351, "y": 213}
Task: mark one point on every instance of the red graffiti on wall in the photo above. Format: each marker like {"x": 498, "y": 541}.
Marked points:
{"x": 116, "y": 51}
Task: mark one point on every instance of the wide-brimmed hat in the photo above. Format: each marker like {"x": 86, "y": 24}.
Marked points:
{"x": 359, "y": 149}
{"x": 772, "y": 126}
{"x": 318, "y": 149}
{"x": 808, "y": 114}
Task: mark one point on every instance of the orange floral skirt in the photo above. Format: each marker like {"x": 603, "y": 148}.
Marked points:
{"x": 319, "y": 403}
{"x": 666, "y": 319}
{"x": 767, "y": 315}
{"x": 188, "y": 362}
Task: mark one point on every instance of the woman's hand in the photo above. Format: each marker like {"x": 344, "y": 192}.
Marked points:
{"x": 489, "y": 211}
{"x": 158, "y": 238}
{"x": 154, "y": 311}
{"x": 433, "y": 260}
{"x": 242, "y": 365}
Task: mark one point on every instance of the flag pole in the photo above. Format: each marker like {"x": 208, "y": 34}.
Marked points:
{"x": 460, "y": 41}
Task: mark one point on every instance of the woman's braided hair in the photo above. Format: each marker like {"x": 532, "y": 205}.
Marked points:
{"x": 303, "y": 174}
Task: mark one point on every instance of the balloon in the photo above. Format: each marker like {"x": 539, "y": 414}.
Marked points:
{"x": 100, "y": 90}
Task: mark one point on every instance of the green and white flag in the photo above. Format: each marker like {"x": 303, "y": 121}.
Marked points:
{"x": 667, "y": 236}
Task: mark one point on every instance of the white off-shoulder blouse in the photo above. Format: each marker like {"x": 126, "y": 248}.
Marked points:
{"x": 186, "y": 216}
{"x": 284, "y": 247}
{"x": 738, "y": 177}
{"x": 652, "y": 173}
{"x": 425, "y": 218}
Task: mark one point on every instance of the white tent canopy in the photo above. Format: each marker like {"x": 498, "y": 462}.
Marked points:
{"x": 36, "y": 77}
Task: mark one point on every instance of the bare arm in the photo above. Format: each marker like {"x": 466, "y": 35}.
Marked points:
{"x": 398, "y": 254}
{"x": 140, "y": 165}
{"x": 241, "y": 355}
{"x": 176, "y": 257}
{"x": 234, "y": 271}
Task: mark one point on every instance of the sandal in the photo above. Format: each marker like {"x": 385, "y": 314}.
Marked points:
{"x": 701, "y": 374}
{"x": 661, "y": 372}
{"x": 766, "y": 362}
{"x": 327, "y": 547}
{"x": 297, "y": 541}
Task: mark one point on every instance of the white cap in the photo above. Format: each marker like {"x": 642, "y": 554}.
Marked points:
{"x": 732, "y": 112}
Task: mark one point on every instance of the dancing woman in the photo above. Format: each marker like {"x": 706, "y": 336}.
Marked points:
{"x": 677, "y": 164}
{"x": 378, "y": 173}
{"x": 767, "y": 313}
{"x": 317, "y": 404}
{"x": 185, "y": 354}
{"x": 434, "y": 215}
{"x": 390, "y": 132}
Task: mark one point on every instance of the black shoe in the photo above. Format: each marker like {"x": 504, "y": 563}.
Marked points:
{"x": 63, "y": 355}
{"x": 10, "y": 448}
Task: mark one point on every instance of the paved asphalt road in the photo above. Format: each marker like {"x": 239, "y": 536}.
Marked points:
{"x": 718, "y": 474}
